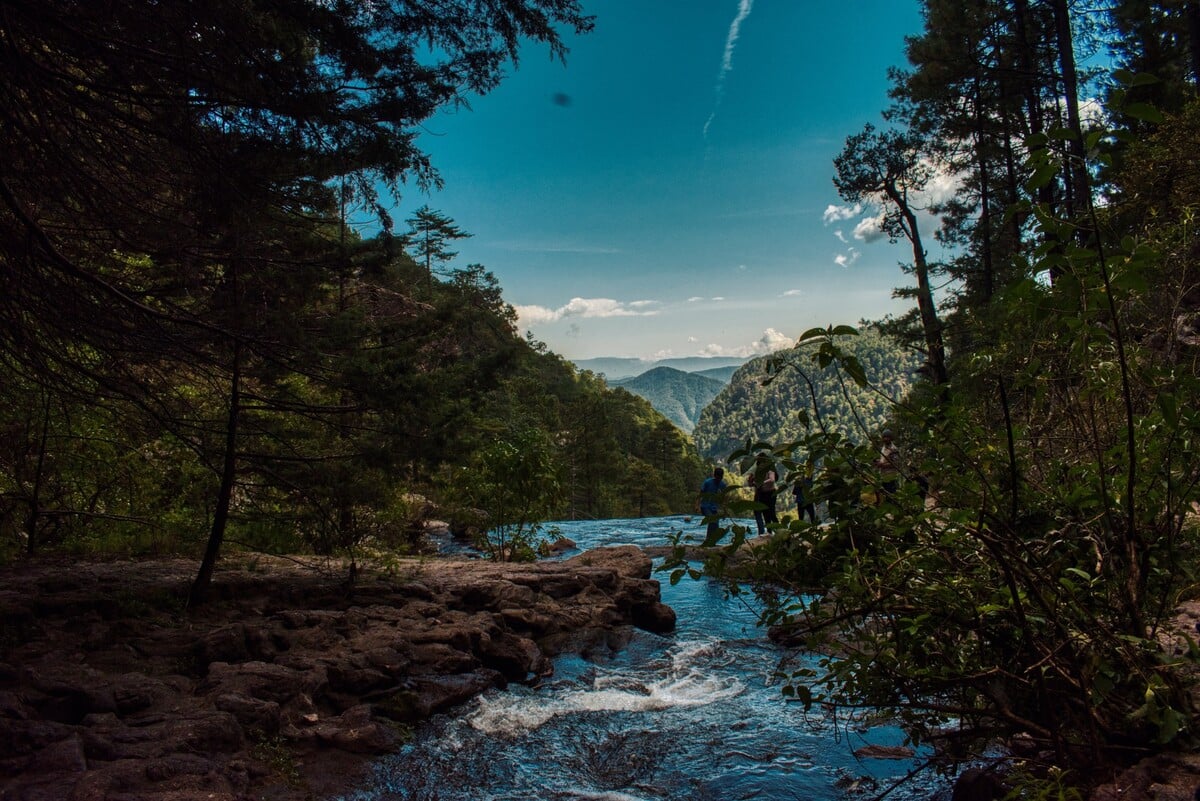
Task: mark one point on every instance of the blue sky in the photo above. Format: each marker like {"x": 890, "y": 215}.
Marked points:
{"x": 667, "y": 191}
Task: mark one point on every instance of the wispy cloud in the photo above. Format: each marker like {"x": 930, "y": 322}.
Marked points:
{"x": 585, "y": 308}
{"x": 847, "y": 258}
{"x": 695, "y": 299}
{"x": 744, "y": 9}
{"x": 792, "y": 293}
{"x": 838, "y": 213}
{"x": 770, "y": 341}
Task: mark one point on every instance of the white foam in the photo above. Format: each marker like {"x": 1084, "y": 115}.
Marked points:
{"x": 683, "y": 681}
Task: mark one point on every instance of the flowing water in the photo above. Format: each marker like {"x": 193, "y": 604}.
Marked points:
{"x": 690, "y": 715}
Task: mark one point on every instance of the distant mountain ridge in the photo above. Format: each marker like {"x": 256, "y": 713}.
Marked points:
{"x": 677, "y": 395}
{"x": 615, "y": 368}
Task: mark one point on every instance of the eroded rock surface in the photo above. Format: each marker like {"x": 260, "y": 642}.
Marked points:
{"x": 288, "y": 680}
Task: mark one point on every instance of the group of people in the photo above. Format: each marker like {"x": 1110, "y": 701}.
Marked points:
{"x": 764, "y": 479}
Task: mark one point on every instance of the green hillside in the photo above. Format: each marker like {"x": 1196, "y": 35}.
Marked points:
{"x": 746, "y": 409}
{"x": 722, "y": 374}
{"x": 678, "y": 396}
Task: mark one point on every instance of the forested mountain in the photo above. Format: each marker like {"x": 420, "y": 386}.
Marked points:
{"x": 751, "y": 408}
{"x": 616, "y": 368}
{"x": 677, "y": 395}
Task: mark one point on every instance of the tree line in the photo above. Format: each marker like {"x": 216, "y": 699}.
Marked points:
{"x": 195, "y": 344}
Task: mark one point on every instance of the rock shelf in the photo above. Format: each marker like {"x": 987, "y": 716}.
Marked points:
{"x": 289, "y": 681}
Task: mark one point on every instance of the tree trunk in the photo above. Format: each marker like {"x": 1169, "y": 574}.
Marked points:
{"x": 199, "y": 591}
{"x": 936, "y": 350}
{"x": 35, "y": 495}
{"x": 1077, "y": 185}
{"x": 1192, "y": 9}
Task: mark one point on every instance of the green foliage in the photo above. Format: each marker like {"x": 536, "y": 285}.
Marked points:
{"x": 1031, "y": 594}
{"x": 514, "y": 481}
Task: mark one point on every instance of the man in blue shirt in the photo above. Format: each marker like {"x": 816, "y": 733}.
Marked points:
{"x": 710, "y": 495}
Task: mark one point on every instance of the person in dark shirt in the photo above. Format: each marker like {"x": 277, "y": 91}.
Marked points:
{"x": 710, "y": 496}
{"x": 763, "y": 478}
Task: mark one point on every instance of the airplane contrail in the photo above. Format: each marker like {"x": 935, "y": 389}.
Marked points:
{"x": 744, "y": 9}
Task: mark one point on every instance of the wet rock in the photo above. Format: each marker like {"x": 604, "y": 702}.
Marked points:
{"x": 355, "y": 730}
{"x": 883, "y": 752}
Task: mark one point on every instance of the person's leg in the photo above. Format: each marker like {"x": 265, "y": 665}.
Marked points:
{"x": 714, "y": 529}
{"x": 760, "y": 522}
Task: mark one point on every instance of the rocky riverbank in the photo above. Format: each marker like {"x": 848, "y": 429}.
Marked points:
{"x": 290, "y": 680}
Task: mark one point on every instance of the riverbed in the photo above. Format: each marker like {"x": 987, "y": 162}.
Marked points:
{"x": 697, "y": 714}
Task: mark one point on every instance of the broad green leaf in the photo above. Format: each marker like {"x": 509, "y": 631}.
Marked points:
{"x": 1144, "y": 112}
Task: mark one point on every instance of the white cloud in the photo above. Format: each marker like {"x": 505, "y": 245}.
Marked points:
{"x": 870, "y": 229}
{"x": 941, "y": 187}
{"x": 838, "y": 213}
{"x": 744, "y": 9}
{"x": 693, "y": 339}
{"x": 585, "y": 308}
{"x": 770, "y": 341}
{"x": 718, "y": 299}
{"x": 694, "y": 298}
{"x": 792, "y": 293}
{"x": 841, "y": 236}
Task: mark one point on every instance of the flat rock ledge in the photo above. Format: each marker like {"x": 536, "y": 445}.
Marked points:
{"x": 289, "y": 681}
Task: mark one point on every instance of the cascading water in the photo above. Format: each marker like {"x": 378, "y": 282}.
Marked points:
{"x": 691, "y": 715}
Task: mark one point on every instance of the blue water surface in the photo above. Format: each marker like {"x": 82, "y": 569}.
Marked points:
{"x": 692, "y": 715}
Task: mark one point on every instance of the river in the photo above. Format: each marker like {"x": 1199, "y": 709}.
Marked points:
{"x": 692, "y": 715}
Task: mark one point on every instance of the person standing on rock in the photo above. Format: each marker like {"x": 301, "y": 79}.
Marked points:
{"x": 710, "y": 496}
{"x": 763, "y": 478}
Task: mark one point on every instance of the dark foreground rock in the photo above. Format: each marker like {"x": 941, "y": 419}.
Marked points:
{"x": 288, "y": 681}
